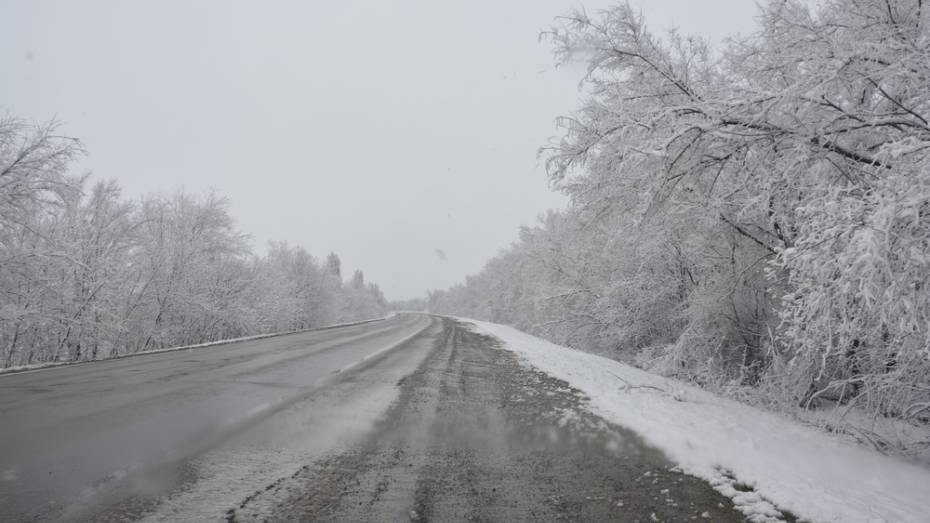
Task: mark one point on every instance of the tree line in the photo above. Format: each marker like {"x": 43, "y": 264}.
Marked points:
{"x": 754, "y": 218}
{"x": 86, "y": 273}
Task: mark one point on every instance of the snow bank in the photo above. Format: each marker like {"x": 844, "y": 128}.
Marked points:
{"x": 757, "y": 458}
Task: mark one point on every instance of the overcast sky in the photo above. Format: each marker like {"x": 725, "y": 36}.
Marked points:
{"x": 381, "y": 130}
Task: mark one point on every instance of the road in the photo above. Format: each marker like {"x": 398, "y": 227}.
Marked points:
{"x": 70, "y": 435}
{"x": 448, "y": 426}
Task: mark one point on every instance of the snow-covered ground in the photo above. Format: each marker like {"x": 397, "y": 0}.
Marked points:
{"x": 759, "y": 459}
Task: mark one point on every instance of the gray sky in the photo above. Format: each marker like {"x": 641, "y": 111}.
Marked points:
{"x": 401, "y": 134}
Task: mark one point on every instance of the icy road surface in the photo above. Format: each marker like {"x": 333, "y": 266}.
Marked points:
{"x": 73, "y": 437}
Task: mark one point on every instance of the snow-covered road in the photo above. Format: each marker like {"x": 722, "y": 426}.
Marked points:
{"x": 74, "y": 438}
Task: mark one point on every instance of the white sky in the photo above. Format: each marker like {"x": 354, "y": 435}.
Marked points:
{"x": 382, "y": 130}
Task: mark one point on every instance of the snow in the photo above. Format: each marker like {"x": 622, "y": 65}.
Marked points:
{"x": 759, "y": 459}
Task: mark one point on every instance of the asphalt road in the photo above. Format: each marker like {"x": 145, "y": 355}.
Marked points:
{"x": 71, "y": 436}
{"x": 476, "y": 436}
{"x": 446, "y": 426}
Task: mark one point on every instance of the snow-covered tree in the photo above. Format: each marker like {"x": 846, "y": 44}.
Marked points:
{"x": 755, "y": 215}
{"x": 87, "y": 274}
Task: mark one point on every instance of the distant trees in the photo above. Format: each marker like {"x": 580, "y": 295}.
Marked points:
{"x": 364, "y": 298}
{"x": 753, "y": 217}
{"x": 87, "y": 274}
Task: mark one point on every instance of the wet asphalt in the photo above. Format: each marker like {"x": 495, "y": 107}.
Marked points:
{"x": 477, "y": 436}
{"x": 447, "y": 426}
{"x": 77, "y": 437}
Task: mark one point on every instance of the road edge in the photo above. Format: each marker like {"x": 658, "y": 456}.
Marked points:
{"x": 55, "y": 364}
